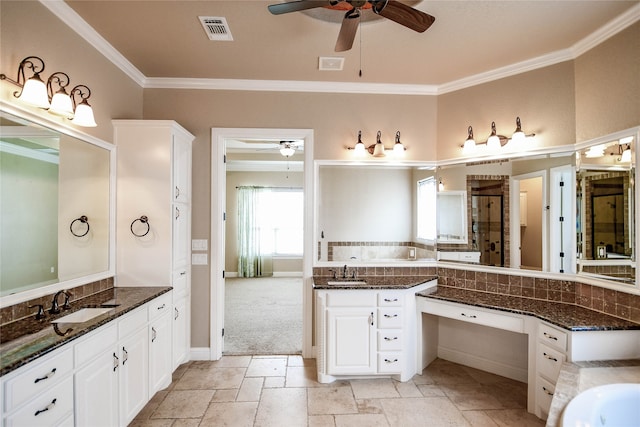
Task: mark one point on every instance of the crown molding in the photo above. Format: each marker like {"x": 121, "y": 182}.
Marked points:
{"x": 79, "y": 25}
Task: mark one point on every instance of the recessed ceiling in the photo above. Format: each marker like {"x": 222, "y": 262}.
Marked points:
{"x": 165, "y": 39}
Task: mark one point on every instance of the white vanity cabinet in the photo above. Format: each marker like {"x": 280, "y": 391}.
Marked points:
{"x": 160, "y": 352}
{"x": 154, "y": 181}
{"x": 551, "y": 348}
{"x": 363, "y": 332}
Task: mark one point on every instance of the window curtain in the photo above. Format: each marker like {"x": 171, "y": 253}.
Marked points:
{"x": 251, "y": 262}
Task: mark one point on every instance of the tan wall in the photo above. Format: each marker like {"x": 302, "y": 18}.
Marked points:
{"x": 608, "y": 86}
{"x": 543, "y": 99}
{"x": 29, "y": 29}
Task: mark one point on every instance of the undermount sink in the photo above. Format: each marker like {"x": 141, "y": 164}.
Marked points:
{"x": 82, "y": 315}
{"x": 346, "y": 282}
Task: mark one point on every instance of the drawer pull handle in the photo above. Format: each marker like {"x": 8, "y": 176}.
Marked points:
{"x": 390, "y": 339}
{"x": 177, "y": 313}
{"x": 390, "y": 316}
{"x": 371, "y": 319}
{"x": 550, "y": 357}
{"x": 46, "y": 377}
{"x": 154, "y": 334}
{"x": 551, "y": 337}
{"x": 391, "y": 361}
{"x": 116, "y": 362}
{"x": 126, "y": 356}
{"x": 177, "y": 192}
{"x": 391, "y": 300}
{"x": 162, "y": 306}
{"x": 472, "y": 316}
{"x": 177, "y": 212}
{"x": 547, "y": 391}
{"x": 46, "y": 408}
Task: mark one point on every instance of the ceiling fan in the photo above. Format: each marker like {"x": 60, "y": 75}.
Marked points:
{"x": 390, "y": 9}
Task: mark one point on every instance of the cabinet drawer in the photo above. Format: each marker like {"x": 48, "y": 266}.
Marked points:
{"x": 131, "y": 322}
{"x": 351, "y": 299}
{"x": 549, "y": 362}
{"x": 552, "y": 337}
{"x": 390, "y": 339}
{"x": 47, "y": 409}
{"x": 466, "y": 314}
{"x": 37, "y": 378}
{"x": 544, "y": 394}
{"x": 103, "y": 339}
{"x": 389, "y": 299}
{"x": 159, "y": 306}
{"x": 390, "y": 318}
{"x": 389, "y": 362}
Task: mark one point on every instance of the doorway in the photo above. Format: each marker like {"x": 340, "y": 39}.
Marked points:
{"x": 220, "y": 270}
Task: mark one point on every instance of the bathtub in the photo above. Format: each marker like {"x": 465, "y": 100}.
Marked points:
{"x": 611, "y": 405}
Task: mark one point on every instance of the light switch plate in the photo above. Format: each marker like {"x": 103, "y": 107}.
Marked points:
{"x": 199, "y": 244}
{"x": 199, "y": 259}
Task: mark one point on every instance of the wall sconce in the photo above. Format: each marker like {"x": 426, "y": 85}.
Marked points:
{"x": 378, "y": 149}
{"x": 36, "y": 93}
{"x": 495, "y": 141}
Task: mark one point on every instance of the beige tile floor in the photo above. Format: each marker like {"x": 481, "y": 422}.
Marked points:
{"x": 282, "y": 391}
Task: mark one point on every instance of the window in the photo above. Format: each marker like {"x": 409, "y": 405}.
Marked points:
{"x": 280, "y": 216}
{"x": 426, "y": 209}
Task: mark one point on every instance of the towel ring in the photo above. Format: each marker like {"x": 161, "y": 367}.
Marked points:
{"x": 144, "y": 220}
{"x": 83, "y": 219}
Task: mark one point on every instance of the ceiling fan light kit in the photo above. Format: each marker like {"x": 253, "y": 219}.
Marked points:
{"x": 393, "y": 10}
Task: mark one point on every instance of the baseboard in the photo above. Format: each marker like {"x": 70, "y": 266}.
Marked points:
{"x": 234, "y": 274}
{"x": 483, "y": 364}
{"x": 200, "y": 353}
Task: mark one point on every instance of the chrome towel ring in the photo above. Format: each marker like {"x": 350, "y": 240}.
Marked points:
{"x": 144, "y": 220}
{"x": 84, "y": 220}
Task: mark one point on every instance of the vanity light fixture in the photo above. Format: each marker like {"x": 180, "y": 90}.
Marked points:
{"x": 495, "y": 141}
{"x": 83, "y": 112}
{"x": 378, "y": 149}
{"x": 35, "y": 92}
{"x": 61, "y": 104}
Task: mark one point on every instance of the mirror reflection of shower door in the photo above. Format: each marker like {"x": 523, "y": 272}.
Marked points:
{"x": 608, "y": 225}
{"x": 488, "y": 228}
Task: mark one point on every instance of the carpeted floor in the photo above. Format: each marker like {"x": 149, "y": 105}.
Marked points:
{"x": 263, "y": 316}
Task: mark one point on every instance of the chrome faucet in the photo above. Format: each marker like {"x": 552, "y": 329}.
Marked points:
{"x": 55, "y": 308}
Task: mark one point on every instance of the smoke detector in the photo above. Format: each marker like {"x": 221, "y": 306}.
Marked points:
{"x": 216, "y": 28}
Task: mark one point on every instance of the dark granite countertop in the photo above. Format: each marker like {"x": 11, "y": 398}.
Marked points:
{"x": 565, "y": 315}
{"x": 25, "y": 340}
{"x": 372, "y": 282}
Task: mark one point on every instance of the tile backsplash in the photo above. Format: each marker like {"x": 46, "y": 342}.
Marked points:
{"x": 22, "y": 310}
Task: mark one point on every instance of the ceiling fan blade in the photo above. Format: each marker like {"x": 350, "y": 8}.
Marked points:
{"x": 295, "y": 6}
{"x": 403, "y": 14}
{"x": 348, "y": 30}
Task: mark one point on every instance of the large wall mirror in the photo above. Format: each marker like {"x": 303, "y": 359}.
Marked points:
{"x": 369, "y": 213}
{"x": 606, "y": 208}
{"x": 55, "y": 206}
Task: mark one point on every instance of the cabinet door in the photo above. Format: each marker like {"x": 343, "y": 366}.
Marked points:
{"x": 160, "y": 353}
{"x": 96, "y": 391}
{"x": 134, "y": 375}
{"x": 181, "y": 169}
{"x": 180, "y": 332}
{"x": 351, "y": 341}
{"x": 181, "y": 224}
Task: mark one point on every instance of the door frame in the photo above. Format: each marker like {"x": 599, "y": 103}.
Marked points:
{"x": 218, "y": 202}
{"x": 514, "y": 205}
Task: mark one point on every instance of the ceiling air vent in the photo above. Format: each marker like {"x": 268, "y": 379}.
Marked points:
{"x": 330, "y": 63}
{"x": 216, "y": 28}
